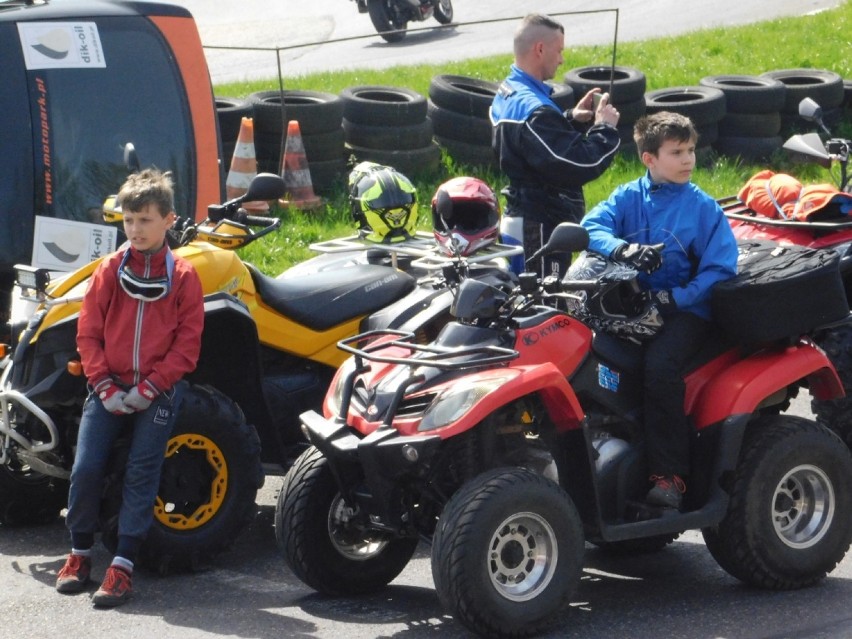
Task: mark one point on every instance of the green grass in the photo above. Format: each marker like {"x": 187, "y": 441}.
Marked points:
{"x": 820, "y": 41}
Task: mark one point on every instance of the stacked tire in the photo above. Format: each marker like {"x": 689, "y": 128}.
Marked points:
{"x": 751, "y": 126}
{"x": 626, "y": 87}
{"x": 320, "y": 118}
{"x": 388, "y": 125}
{"x": 824, "y": 87}
{"x": 230, "y": 113}
{"x": 458, "y": 107}
{"x": 705, "y": 106}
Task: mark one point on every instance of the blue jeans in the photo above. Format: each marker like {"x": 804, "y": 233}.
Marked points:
{"x": 149, "y": 432}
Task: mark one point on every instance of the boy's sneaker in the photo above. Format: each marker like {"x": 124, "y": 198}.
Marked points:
{"x": 667, "y": 491}
{"x": 74, "y": 575}
{"x": 115, "y": 589}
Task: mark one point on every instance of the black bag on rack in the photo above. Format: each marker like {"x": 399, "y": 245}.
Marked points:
{"x": 780, "y": 291}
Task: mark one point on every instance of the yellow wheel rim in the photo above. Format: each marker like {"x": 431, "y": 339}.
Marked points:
{"x": 194, "y": 483}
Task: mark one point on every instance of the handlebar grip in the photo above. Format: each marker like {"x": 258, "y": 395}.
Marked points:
{"x": 259, "y": 220}
{"x": 580, "y": 285}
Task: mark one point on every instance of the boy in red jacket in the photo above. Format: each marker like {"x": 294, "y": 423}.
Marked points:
{"x": 138, "y": 334}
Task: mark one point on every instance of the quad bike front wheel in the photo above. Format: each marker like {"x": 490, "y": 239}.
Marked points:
{"x": 324, "y": 541}
{"x": 507, "y": 553}
{"x": 208, "y": 484}
{"x": 387, "y": 20}
{"x": 788, "y": 521}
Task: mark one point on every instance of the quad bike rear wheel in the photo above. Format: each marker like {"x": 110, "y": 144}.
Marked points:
{"x": 836, "y": 414}
{"x": 323, "y": 540}
{"x": 208, "y": 485}
{"x": 787, "y": 524}
{"x": 507, "y": 553}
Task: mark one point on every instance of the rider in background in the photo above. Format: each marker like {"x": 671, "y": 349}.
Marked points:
{"x": 664, "y": 207}
{"x": 548, "y": 156}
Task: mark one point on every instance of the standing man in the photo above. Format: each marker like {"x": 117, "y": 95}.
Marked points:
{"x": 547, "y": 156}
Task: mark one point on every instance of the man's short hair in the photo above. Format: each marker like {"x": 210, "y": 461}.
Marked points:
{"x": 650, "y": 131}
{"x": 149, "y": 186}
{"x": 532, "y": 29}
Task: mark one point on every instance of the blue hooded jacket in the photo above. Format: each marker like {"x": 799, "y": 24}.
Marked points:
{"x": 700, "y": 247}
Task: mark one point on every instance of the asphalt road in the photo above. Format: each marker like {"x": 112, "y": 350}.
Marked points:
{"x": 249, "y": 593}
{"x": 310, "y": 26}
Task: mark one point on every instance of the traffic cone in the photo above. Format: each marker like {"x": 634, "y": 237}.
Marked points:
{"x": 296, "y": 174}
{"x": 244, "y": 167}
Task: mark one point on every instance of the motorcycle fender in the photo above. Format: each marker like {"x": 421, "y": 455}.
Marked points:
{"x": 545, "y": 380}
{"x": 740, "y": 388}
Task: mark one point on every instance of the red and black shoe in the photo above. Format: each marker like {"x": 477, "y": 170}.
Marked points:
{"x": 115, "y": 589}
{"x": 667, "y": 491}
{"x": 74, "y": 575}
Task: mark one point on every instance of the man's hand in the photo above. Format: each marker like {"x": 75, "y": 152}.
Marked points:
{"x": 112, "y": 397}
{"x": 640, "y": 256}
{"x": 595, "y": 105}
{"x": 140, "y": 396}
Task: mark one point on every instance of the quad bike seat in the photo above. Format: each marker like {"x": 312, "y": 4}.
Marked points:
{"x": 328, "y": 298}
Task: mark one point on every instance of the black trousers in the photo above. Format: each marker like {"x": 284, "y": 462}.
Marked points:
{"x": 667, "y": 429}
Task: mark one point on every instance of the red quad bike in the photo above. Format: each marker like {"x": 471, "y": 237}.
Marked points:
{"x": 514, "y": 437}
{"x": 825, "y": 233}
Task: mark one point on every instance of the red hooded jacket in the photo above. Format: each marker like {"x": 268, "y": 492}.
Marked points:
{"x": 131, "y": 340}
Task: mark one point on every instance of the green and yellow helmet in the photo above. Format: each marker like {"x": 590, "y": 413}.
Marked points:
{"x": 383, "y": 202}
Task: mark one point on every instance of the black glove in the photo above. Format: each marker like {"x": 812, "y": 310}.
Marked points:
{"x": 664, "y": 301}
{"x": 640, "y": 256}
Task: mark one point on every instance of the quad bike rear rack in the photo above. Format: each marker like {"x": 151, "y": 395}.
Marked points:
{"x": 735, "y": 209}
{"x": 422, "y": 247}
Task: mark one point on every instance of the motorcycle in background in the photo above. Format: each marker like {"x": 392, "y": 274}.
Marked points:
{"x": 391, "y": 17}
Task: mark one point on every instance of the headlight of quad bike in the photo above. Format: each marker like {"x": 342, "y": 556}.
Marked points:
{"x": 335, "y": 394}
{"x": 452, "y": 403}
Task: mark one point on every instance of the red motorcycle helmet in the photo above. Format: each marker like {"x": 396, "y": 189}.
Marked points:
{"x": 465, "y": 216}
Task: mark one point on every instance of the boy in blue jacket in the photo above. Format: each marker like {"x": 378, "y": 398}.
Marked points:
{"x": 664, "y": 207}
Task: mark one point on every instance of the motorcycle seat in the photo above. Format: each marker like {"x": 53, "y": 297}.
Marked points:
{"x": 328, "y": 298}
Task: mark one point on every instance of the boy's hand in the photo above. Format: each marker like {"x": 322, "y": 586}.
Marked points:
{"x": 664, "y": 300}
{"x": 112, "y": 397}
{"x": 640, "y": 256}
{"x": 140, "y": 396}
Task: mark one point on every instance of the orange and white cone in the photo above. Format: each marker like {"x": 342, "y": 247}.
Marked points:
{"x": 296, "y": 174}
{"x": 244, "y": 167}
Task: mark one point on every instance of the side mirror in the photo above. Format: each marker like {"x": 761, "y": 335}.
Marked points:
{"x": 809, "y": 145}
{"x": 264, "y": 186}
{"x": 811, "y": 111}
{"x": 131, "y": 158}
{"x": 567, "y": 237}
{"x": 444, "y": 207}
